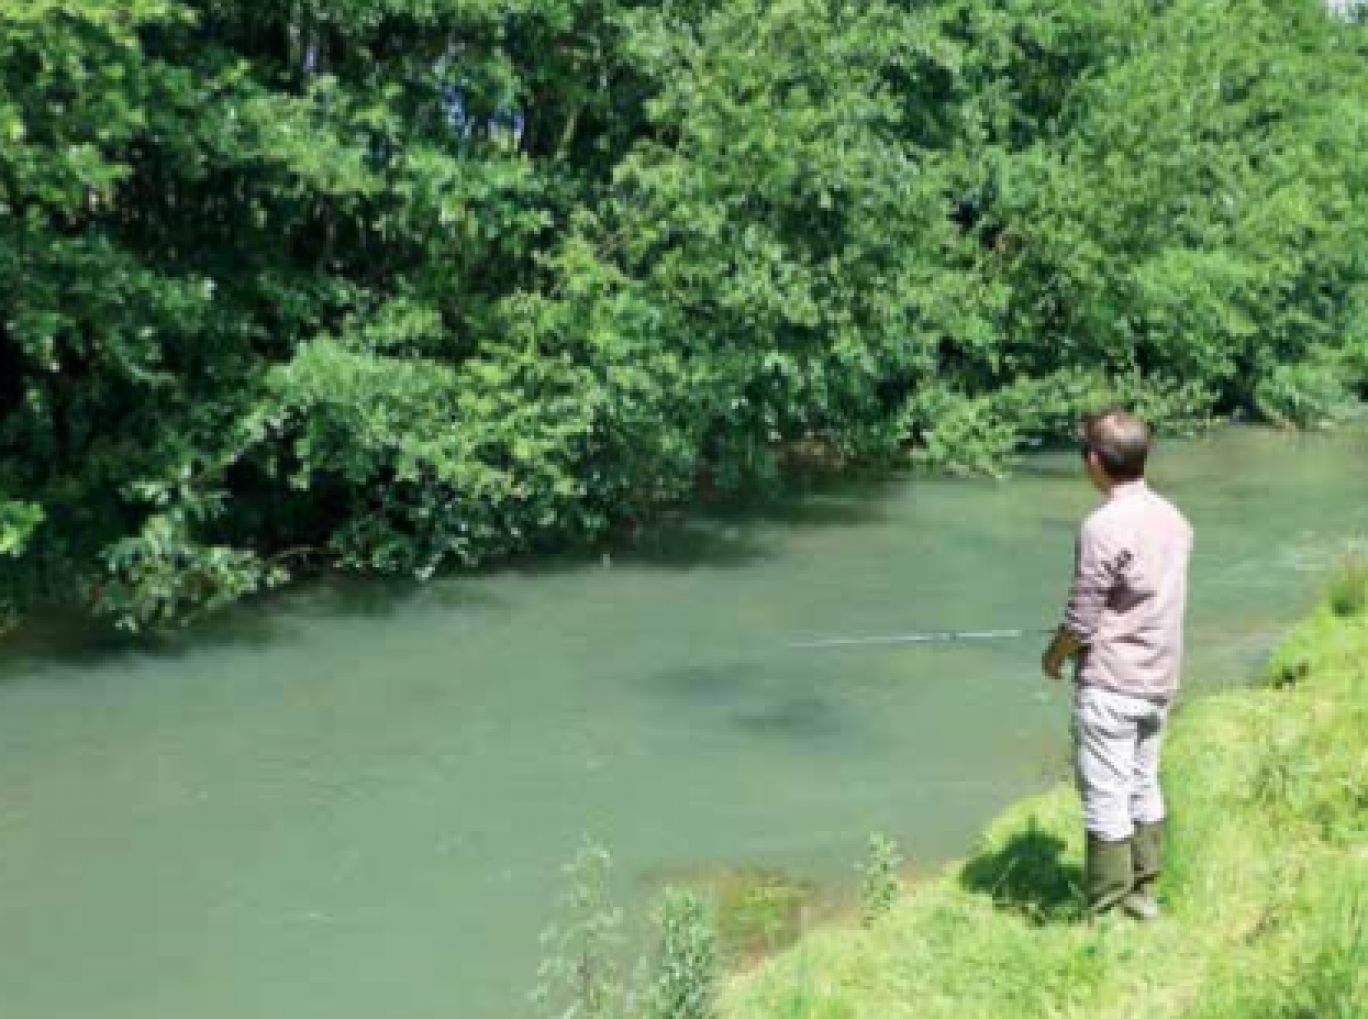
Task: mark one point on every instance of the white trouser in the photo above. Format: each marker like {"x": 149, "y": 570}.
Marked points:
{"x": 1116, "y": 744}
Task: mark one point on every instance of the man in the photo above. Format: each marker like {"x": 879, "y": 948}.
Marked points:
{"x": 1124, "y": 627}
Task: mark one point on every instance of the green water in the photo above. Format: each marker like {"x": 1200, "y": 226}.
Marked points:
{"x": 353, "y": 802}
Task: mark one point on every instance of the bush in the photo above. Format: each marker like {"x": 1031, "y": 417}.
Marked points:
{"x": 953, "y": 432}
{"x": 880, "y": 878}
{"x": 686, "y": 969}
{"x": 581, "y": 975}
{"x": 512, "y": 295}
{"x": 1309, "y": 395}
{"x": 1347, "y": 590}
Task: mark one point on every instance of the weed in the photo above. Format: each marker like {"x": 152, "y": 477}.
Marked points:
{"x": 1348, "y": 587}
{"x": 580, "y": 977}
{"x": 685, "y": 985}
{"x": 761, "y": 911}
{"x": 880, "y": 885}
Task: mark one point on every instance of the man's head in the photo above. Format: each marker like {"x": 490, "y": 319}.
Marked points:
{"x": 1116, "y": 445}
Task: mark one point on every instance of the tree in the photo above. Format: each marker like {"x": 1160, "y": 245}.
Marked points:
{"x": 389, "y": 285}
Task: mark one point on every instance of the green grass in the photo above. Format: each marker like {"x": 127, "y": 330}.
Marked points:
{"x": 759, "y": 911}
{"x": 1348, "y": 587}
{"x": 1266, "y": 892}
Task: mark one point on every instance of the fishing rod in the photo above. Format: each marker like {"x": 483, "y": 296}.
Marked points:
{"x": 928, "y": 637}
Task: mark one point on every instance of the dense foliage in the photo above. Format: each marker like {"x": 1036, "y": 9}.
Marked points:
{"x": 394, "y": 284}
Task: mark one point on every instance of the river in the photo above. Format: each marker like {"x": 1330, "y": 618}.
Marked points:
{"x": 354, "y": 800}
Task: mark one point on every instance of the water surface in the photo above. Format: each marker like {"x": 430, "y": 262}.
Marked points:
{"x": 354, "y": 800}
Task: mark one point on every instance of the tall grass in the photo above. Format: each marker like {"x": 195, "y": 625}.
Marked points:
{"x": 686, "y": 966}
{"x": 880, "y": 881}
{"x": 583, "y": 975}
{"x": 1347, "y": 590}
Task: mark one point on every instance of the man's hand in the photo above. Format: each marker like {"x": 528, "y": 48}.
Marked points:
{"x": 1064, "y": 646}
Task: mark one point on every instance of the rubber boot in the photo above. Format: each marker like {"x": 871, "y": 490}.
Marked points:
{"x": 1147, "y": 856}
{"x": 1108, "y": 876}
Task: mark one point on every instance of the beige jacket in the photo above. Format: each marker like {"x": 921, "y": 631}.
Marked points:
{"x": 1129, "y": 594}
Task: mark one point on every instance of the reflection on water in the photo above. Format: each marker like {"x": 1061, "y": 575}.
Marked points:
{"x": 354, "y": 799}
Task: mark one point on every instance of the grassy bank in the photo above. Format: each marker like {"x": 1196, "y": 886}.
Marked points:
{"x": 1266, "y": 893}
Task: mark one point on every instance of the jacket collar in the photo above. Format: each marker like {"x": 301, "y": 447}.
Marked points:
{"x": 1126, "y": 489}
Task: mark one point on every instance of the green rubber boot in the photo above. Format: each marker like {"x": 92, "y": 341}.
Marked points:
{"x": 1108, "y": 877}
{"x": 1147, "y": 857}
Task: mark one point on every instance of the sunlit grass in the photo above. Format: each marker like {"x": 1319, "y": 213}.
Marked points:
{"x": 1348, "y": 587}
{"x": 1265, "y": 893}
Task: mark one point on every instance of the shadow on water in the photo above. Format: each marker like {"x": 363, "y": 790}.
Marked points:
{"x": 731, "y": 535}
{"x": 800, "y": 718}
{"x": 72, "y": 640}
{"x": 67, "y": 639}
{"x": 355, "y": 597}
{"x": 1028, "y": 875}
{"x": 815, "y": 502}
{"x": 764, "y": 703}
{"x": 687, "y": 543}
{"x": 79, "y": 644}
{"x": 708, "y": 685}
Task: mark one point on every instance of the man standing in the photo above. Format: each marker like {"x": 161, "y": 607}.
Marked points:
{"x": 1124, "y": 628}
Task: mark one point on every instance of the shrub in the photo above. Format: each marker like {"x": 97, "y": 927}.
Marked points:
{"x": 880, "y": 884}
{"x": 686, "y": 970}
{"x": 1307, "y": 395}
{"x": 464, "y": 306}
{"x": 954, "y": 432}
{"x": 1348, "y": 587}
{"x": 581, "y": 975}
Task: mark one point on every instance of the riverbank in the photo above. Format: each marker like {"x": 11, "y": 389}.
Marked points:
{"x": 1266, "y": 892}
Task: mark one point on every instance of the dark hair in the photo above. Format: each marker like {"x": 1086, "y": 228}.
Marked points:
{"x": 1121, "y": 441}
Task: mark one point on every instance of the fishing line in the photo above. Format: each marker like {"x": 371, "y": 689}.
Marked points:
{"x": 929, "y": 637}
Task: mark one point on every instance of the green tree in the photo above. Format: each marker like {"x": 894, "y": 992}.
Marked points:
{"x": 388, "y": 285}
